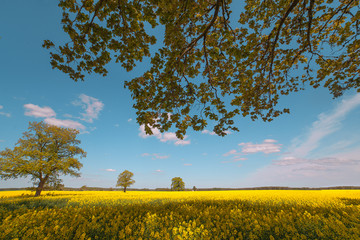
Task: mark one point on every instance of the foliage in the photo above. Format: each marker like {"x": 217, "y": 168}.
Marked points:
{"x": 177, "y": 184}
{"x": 267, "y": 214}
{"x": 124, "y": 179}
{"x": 43, "y": 153}
{"x": 213, "y": 65}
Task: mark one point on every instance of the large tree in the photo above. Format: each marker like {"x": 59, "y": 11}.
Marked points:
{"x": 44, "y": 153}
{"x": 125, "y": 179}
{"x": 212, "y": 64}
{"x": 177, "y": 184}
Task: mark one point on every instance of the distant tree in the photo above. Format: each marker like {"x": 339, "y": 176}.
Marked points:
{"x": 83, "y": 188}
{"x": 44, "y": 153}
{"x": 124, "y": 179}
{"x": 194, "y": 188}
{"x": 177, "y": 184}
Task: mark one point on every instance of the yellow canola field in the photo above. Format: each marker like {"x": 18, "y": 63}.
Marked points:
{"x": 253, "y": 214}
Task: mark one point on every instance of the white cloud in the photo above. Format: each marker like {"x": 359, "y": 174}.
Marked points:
{"x": 92, "y": 107}
{"x": 165, "y": 137}
{"x": 155, "y": 131}
{"x": 129, "y": 120}
{"x": 268, "y": 146}
{"x": 300, "y": 167}
{"x": 4, "y": 113}
{"x": 155, "y": 155}
{"x": 158, "y": 171}
{"x": 187, "y": 164}
{"x": 341, "y": 170}
{"x": 158, "y": 156}
{"x": 117, "y": 125}
{"x": 235, "y": 156}
{"x": 182, "y": 142}
{"x": 208, "y": 132}
{"x": 213, "y": 133}
{"x": 110, "y": 170}
{"x": 49, "y": 114}
{"x": 238, "y": 158}
{"x": 231, "y": 152}
{"x": 168, "y": 136}
{"x": 37, "y": 111}
{"x": 64, "y": 123}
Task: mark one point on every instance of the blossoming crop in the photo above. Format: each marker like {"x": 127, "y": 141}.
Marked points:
{"x": 267, "y": 214}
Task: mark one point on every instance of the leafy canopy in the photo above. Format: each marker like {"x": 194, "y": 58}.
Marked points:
{"x": 177, "y": 184}
{"x": 43, "y": 153}
{"x": 213, "y": 65}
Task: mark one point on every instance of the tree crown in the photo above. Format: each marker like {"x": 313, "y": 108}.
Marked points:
{"x": 177, "y": 184}
{"x": 44, "y": 152}
{"x": 125, "y": 179}
{"x": 210, "y": 66}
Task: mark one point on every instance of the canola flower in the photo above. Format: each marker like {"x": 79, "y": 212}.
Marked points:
{"x": 253, "y": 214}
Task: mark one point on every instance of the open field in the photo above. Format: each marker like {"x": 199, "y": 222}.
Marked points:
{"x": 266, "y": 214}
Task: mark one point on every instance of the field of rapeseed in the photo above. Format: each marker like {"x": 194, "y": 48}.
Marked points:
{"x": 268, "y": 214}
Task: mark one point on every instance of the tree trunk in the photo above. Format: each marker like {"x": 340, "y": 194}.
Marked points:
{"x": 124, "y": 189}
{"x": 40, "y": 187}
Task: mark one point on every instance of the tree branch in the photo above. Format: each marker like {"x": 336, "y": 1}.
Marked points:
{"x": 310, "y": 13}
{"x": 193, "y": 42}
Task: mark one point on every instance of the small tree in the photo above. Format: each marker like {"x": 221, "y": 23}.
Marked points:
{"x": 177, "y": 184}
{"x": 44, "y": 153}
{"x": 124, "y": 179}
{"x": 194, "y": 188}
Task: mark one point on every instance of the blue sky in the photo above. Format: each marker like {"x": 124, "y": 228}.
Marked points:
{"x": 318, "y": 144}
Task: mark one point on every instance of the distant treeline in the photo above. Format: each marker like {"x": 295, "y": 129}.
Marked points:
{"x": 85, "y": 188}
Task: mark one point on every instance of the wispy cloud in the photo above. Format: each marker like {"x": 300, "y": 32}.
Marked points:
{"x": 64, "y": 123}
{"x": 91, "y": 105}
{"x": 163, "y": 137}
{"x": 33, "y": 110}
{"x": 268, "y": 146}
{"x": 235, "y": 156}
{"x": 158, "y": 171}
{"x": 4, "y": 113}
{"x": 300, "y": 167}
{"x": 187, "y": 164}
{"x": 238, "y": 158}
{"x": 129, "y": 120}
{"x": 324, "y": 126}
{"x": 158, "y": 156}
{"x": 155, "y": 155}
{"x": 110, "y": 170}
{"x": 231, "y": 152}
